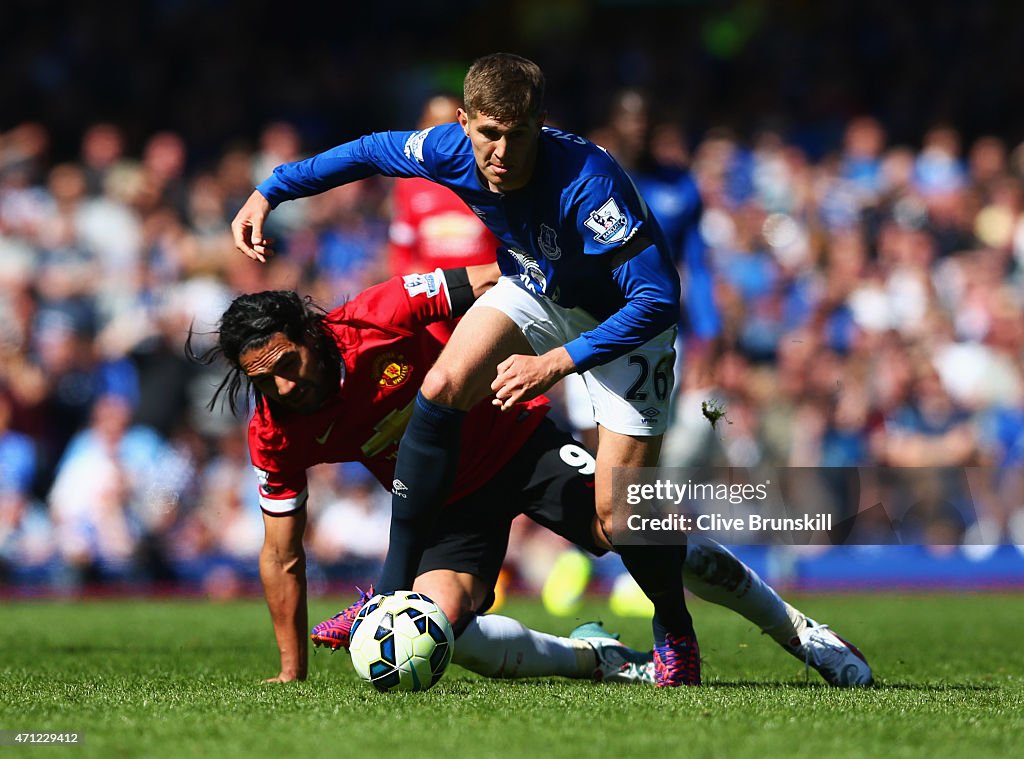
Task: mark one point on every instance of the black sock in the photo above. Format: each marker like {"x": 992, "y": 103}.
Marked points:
{"x": 424, "y": 474}
{"x": 658, "y": 570}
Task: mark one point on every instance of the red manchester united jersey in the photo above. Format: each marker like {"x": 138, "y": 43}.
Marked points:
{"x": 386, "y": 352}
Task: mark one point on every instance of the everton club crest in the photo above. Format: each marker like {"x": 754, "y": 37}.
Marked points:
{"x": 547, "y": 241}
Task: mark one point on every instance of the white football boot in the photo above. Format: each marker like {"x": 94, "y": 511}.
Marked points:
{"x": 616, "y": 662}
{"x": 839, "y": 662}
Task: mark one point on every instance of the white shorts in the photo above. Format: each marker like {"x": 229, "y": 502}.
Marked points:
{"x": 631, "y": 394}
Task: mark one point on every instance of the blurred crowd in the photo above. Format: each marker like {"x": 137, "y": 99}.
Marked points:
{"x": 111, "y": 466}
{"x": 872, "y": 312}
{"x": 871, "y": 304}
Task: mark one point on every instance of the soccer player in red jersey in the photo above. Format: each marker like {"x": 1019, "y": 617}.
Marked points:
{"x": 339, "y": 387}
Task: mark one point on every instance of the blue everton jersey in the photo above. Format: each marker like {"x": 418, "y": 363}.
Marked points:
{"x": 578, "y": 233}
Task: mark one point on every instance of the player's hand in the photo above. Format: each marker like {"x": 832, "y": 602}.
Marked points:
{"x": 247, "y": 228}
{"x": 283, "y": 678}
{"x": 521, "y": 378}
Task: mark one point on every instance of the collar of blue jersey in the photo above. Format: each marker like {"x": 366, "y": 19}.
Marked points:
{"x": 482, "y": 181}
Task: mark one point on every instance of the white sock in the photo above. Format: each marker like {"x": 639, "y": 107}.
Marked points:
{"x": 713, "y": 573}
{"x": 496, "y": 646}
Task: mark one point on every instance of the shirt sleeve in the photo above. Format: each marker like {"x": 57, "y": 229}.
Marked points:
{"x": 281, "y": 493}
{"x": 613, "y": 222}
{"x": 393, "y": 154}
{"x": 405, "y": 302}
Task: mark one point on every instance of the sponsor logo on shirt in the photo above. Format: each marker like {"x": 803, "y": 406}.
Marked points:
{"x": 392, "y": 370}
{"x": 422, "y": 284}
{"x": 398, "y": 488}
{"x": 387, "y": 432}
{"x": 607, "y": 223}
{"x": 414, "y": 145}
{"x": 547, "y": 240}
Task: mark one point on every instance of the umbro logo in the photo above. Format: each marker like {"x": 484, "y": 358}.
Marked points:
{"x": 398, "y": 488}
{"x": 323, "y": 438}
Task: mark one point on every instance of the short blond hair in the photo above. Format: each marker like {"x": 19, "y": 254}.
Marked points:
{"x": 505, "y": 87}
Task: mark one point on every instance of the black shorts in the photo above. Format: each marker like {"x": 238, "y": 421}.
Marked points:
{"x": 545, "y": 481}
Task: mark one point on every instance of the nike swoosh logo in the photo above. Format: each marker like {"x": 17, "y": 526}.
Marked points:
{"x": 323, "y": 438}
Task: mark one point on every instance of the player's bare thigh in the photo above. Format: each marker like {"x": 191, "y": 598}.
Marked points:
{"x": 457, "y": 593}
{"x": 615, "y": 450}
{"x": 463, "y": 373}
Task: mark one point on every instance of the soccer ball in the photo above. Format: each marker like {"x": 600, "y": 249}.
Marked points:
{"x": 401, "y": 641}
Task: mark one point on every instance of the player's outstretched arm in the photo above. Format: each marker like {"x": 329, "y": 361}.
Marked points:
{"x": 247, "y": 228}
{"x": 283, "y": 574}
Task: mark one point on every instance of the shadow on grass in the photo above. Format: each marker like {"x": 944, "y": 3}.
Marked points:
{"x": 467, "y": 686}
{"x": 878, "y": 686}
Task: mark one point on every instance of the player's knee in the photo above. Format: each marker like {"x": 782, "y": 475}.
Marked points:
{"x": 456, "y": 387}
{"x": 441, "y": 386}
{"x": 454, "y": 600}
{"x": 457, "y": 606}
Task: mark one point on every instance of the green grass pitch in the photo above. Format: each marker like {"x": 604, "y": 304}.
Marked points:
{"x": 183, "y": 678}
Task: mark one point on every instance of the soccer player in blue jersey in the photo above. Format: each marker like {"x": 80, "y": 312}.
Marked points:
{"x": 588, "y": 286}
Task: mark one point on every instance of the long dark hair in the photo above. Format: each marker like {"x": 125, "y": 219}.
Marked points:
{"x": 252, "y": 319}
{"x": 249, "y": 322}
